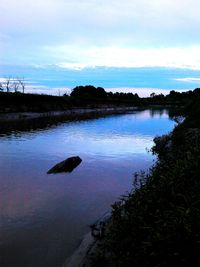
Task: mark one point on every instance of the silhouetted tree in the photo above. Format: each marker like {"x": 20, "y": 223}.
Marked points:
{"x": 22, "y": 84}
{"x": 88, "y": 91}
{"x": 12, "y": 84}
{"x": 1, "y": 87}
{"x": 8, "y": 84}
{"x": 152, "y": 95}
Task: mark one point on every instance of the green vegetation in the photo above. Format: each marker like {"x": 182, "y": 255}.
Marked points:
{"x": 158, "y": 223}
{"x": 87, "y": 96}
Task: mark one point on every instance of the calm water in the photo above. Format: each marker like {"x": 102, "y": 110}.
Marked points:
{"x": 43, "y": 217}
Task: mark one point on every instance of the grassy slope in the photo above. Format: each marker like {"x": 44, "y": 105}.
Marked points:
{"x": 158, "y": 224}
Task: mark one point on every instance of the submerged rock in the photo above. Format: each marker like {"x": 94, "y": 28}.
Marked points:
{"x": 67, "y": 165}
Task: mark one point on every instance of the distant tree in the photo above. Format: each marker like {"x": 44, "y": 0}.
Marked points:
{"x": 12, "y": 84}
{"x": 173, "y": 93}
{"x": 152, "y": 95}
{"x": 15, "y": 85}
{"x": 22, "y": 84}
{"x": 160, "y": 96}
{"x": 8, "y": 84}
{"x": 110, "y": 94}
{"x": 196, "y": 92}
{"x": 1, "y": 87}
{"x": 137, "y": 96}
{"x": 101, "y": 92}
{"x": 88, "y": 91}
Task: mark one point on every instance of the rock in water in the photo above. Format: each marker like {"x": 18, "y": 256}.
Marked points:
{"x": 66, "y": 166}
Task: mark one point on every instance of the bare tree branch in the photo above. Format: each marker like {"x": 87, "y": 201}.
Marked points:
{"x": 15, "y": 84}
{"x": 8, "y": 84}
{"x": 1, "y": 87}
{"x": 22, "y": 84}
{"x": 12, "y": 84}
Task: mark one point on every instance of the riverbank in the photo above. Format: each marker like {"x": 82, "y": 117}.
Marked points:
{"x": 23, "y": 102}
{"x": 81, "y": 256}
{"x": 158, "y": 222}
{"x": 24, "y": 112}
{"x": 25, "y": 121}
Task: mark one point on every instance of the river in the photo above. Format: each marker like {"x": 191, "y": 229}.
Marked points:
{"x": 44, "y": 217}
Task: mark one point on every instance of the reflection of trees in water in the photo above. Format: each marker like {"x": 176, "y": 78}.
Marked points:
{"x": 158, "y": 111}
{"x": 174, "y": 114}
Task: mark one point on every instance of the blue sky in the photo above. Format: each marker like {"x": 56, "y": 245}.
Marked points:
{"x": 78, "y": 35}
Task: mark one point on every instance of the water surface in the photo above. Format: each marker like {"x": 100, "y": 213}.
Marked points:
{"x": 43, "y": 217}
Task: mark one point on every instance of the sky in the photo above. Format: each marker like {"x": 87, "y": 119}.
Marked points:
{"x": 87, "y": 34}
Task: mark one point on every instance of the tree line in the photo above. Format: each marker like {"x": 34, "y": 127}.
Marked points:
{"x": 92, "y": 94}
{"x": 13, "y": 97}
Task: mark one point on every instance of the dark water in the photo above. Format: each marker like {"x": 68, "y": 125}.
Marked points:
{"x": 43, "y": 217}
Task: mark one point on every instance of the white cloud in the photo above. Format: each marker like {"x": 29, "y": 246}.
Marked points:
{"x": 73, "y": 66}
{"x": 13, "y": 79}
{"x": 189, "y": 80}
{"x": 188, "y": 58}
{"x": 100, "y": 32}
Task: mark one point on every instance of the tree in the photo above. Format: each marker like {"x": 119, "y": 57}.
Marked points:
{"x": 1, "y": 87}
{"x": 8, "y": 84}
{"x": 22, "y": 84}
{"x": 12, "y": 84}
{"x": 88, "y": 92}
{"x": 16, "y": 85}
{"x": 152, "y": 95}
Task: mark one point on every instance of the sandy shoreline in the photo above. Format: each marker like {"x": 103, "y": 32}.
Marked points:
{"x": 81, "y": 256}
{"x": 75, "y": 111}
{"x": 28, "y": 121}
